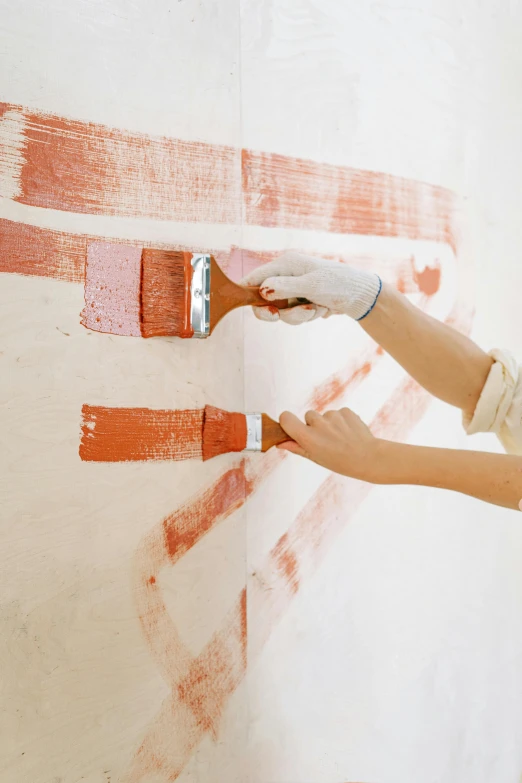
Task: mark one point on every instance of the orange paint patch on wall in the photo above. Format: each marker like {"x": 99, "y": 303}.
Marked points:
{"x": 334, "y": 387}
{"x": 137, "y": 434}
{"x": 286, "y": 562}
{"x": 85, "y": 167}
{"x": 216, "y": 673}
{"x": 28, "y": 250}
{"x": 187, "y": 525}
{"x": 78, "y": 166}
{"x": 303, "y": 194}
{"x": 428, "y": 280}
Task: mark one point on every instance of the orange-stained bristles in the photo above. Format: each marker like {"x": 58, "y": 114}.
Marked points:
{"x": 165, "y": 304}
{"x": 223, "y": 432}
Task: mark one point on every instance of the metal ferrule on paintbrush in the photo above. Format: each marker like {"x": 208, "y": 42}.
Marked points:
{"x": 200, "y": 295}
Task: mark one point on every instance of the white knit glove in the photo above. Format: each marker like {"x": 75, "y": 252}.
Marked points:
{"x": 332, "y": 288}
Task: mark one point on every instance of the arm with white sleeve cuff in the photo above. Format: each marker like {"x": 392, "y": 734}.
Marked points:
{"x": 487, "y": 388}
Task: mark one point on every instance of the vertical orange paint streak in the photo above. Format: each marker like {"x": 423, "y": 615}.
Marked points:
{"x": 285, "y": 561}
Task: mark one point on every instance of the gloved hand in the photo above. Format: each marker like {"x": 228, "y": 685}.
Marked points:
{"x": 330, "y": 288}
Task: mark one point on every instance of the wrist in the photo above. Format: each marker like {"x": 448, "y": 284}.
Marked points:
{"x": 392, "y": 463}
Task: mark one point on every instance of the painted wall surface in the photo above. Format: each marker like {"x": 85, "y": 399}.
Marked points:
{"x": 253, "y": 620}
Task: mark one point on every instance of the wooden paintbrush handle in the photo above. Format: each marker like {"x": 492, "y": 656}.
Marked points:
{"x": 272, "y": 433}
{"x": 225, "y": 295}
{"x": 256, "y": 300}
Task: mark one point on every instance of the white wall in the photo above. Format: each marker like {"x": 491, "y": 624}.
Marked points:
{"x": 398, "y": 657}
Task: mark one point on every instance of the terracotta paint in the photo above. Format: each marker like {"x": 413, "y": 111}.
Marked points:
{"x": 334, "y": 387}
{"x": 428, "y": 280}
{"x": 285, "y": 561}
{"x": 139, "y": 434}
{"x": 185, "y": 527}
{"x": 215, "y": 674}
{"x": 28, "y": 250}
{"x": 77, "y": 166}
{"x": 223, "y": 432}
{"x": 303, "y": 194}
{"x": 165, "y": 293}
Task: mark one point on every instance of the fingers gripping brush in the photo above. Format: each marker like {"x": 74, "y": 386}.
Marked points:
{"x": 187, "y": 294}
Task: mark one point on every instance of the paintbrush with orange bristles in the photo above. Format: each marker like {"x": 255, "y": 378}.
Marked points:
{"x": 225, "y": 432}
{"x": 142, "y": 434}
{"x": 187, "y": 294}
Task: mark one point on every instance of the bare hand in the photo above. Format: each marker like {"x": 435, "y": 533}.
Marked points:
{"x": 337, "y": 440}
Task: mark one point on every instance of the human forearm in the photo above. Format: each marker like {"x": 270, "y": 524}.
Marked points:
{"x": 446, "y": 363}
{"x": 493, "y": 478}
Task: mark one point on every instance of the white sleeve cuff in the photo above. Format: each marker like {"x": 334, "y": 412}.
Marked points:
{"x": 497, "y": 396}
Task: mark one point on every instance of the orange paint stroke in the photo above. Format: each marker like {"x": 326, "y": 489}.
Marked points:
{"x": 138, "y": 434}
{"x": 29, "y": 250}
{"x": 44, "y": 252}
{"x": 303, "y": 194}
{"x": 76, "y": 166}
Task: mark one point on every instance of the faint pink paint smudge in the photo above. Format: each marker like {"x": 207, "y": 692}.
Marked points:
{"x": 112, "y": 289}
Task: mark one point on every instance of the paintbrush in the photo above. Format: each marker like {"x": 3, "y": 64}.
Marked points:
{"x": 187, "y": 294}
{"x": 142, "y": 434}
{"x": 225, "y": 432}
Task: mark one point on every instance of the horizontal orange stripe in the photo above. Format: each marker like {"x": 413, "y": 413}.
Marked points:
{"x": 44, "y": 252}
{"x": 77, "y": 166}
{"x": 136, "y": 434}
{"x": 298, "y": 193}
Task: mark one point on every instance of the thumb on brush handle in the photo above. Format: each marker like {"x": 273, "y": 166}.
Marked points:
{"x": 272, "y": 433}
{"x": 257, "y": 300}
